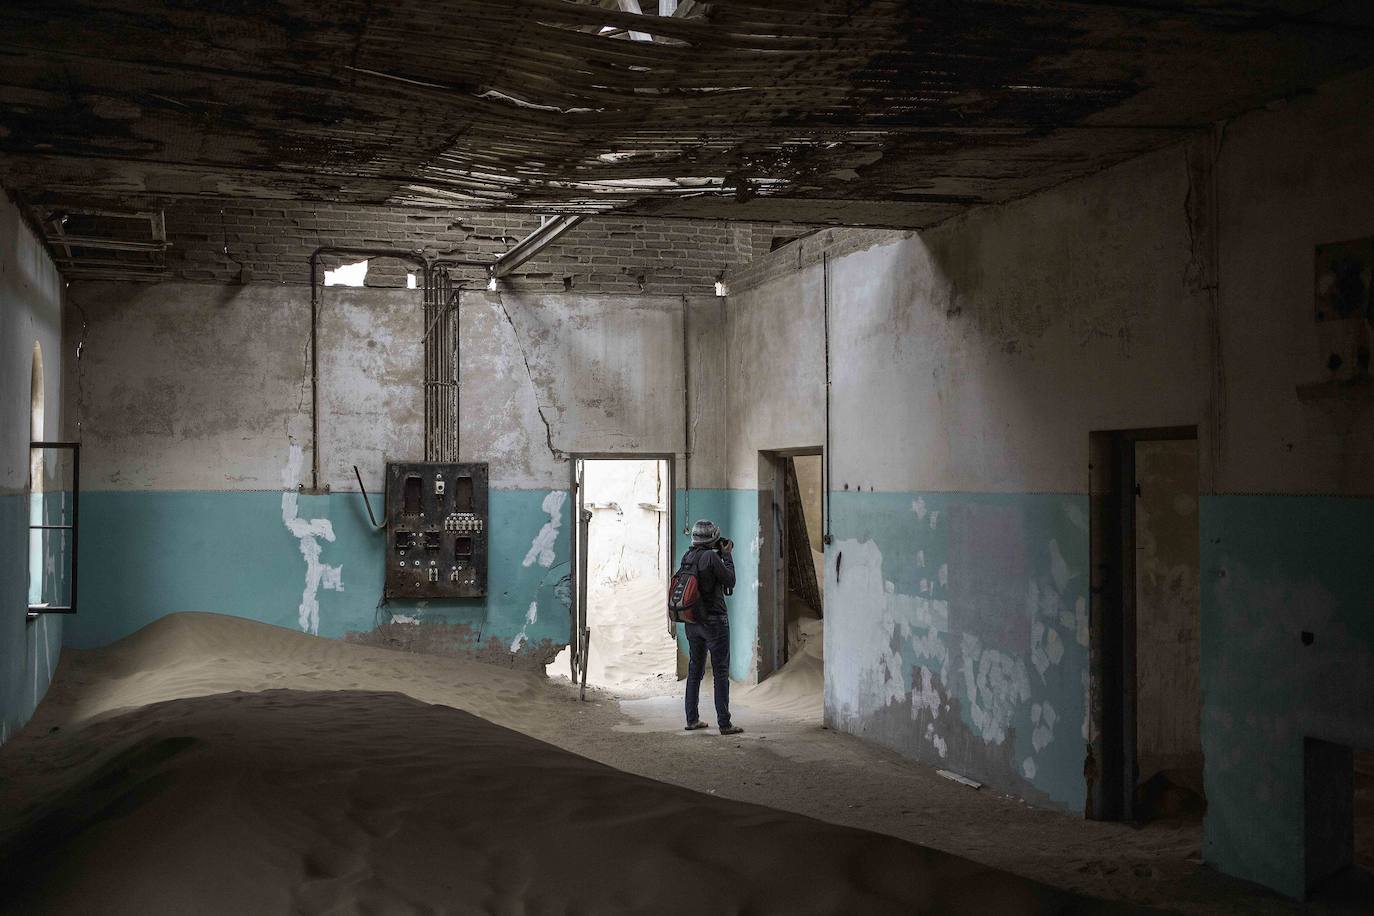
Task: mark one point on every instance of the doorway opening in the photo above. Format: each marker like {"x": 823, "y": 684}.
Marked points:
{"x": 791, "y": 576}
{"x": 622, "y": 549}
{"x": 1338, "y": 807}
{"x": 1145, "y": 740}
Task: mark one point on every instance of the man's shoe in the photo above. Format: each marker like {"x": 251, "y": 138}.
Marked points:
{"x": 696, "y": 725}
{"x": 731, "y": 730}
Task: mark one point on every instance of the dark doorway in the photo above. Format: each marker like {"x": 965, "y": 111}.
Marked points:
{"x": 1338, "y": 805}
{"x": 1146, "y": 696}
{"x": 791, "y": 601}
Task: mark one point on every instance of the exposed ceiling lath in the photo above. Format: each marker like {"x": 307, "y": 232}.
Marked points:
{"x": 884, "y": 112}
{"x": 94, "y": 244}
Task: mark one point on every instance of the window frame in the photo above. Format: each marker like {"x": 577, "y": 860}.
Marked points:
{"x": 75, "y": 448}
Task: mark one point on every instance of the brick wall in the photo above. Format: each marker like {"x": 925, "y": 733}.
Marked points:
{"x": 270, "y": 241}
{"x": 803, "y": 251}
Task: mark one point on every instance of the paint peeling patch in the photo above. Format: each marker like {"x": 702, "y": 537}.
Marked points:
{"x": 869, "y": 671}
{"x": 1059, "y": 568}
{"x": 1043, "y": 718}
{"x": 317, "y": 575}
{"x": 520, "y": 638}
{"x": 541, "y": 549}
{"x": 405, "y": 619}
{"x": 924, "y": 695}
{"x": 1028, "y": 768}
{"x": 996, "y": 684}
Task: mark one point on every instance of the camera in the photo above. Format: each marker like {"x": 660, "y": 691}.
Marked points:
{"x": 724, "y": 544}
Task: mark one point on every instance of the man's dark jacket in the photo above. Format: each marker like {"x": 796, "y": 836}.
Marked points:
{"x": 715, "y": 574}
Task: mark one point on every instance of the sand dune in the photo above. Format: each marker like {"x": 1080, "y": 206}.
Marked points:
{"x": 314, "y": 802}
{"x": 150, "y": 783}
{"x": 196, "y": 654}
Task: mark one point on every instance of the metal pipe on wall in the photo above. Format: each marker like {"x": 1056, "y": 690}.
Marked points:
{"x": 430, "y": 269}
{"x": 686, "y": 425}
{"x": 827, "y": 459}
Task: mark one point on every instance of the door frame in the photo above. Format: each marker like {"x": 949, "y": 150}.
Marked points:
{"x": 771, "y": 643}
{"x": 1112, "y": 768}
{"x": 578, "y": 632}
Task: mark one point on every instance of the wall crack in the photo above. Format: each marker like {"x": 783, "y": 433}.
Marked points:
{"x": 557, "y": 453}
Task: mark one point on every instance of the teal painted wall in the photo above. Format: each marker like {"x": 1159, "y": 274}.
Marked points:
{"x": 148, "y": 554}
{"x": 31, "y": 647}
{"x": 736, "y": 512}
{"x": 1273, "y": 568}
{"x": 956, "y": 632}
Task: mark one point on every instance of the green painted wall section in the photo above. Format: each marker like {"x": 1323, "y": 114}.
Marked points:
{"x": 148, "y": 554}
{"x": 1274, "y": 568}
{"x": 956, "y": 632}
{"x": 28, "y": 649}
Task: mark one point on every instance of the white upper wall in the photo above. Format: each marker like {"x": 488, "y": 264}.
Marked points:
{"x": 978, "y": 356}
{"x": 775, "y": 371}
{"x": 1291, "y": 178}
{"x": 30, "y": 312}
{"x": 189, "y": 386}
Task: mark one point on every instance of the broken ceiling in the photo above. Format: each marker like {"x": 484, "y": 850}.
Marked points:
{"x": 851, "y": 111}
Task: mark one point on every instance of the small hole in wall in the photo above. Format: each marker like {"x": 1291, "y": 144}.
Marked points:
{"x": 721, "y": 289}
{"x": 410, "y": 281}
{"x": 567, "y": 282}
{"x": 839, "y": 558}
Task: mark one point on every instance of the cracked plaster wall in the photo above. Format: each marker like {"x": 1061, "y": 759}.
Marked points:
{"x": 970, "y": 363}
{"x": 195, "y": 403}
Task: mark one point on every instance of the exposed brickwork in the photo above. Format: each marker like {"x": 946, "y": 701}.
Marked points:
{"x": 271, "y": 241}
{"x": 804, "y": 251}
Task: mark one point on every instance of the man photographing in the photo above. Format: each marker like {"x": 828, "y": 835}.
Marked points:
{"x": 711, "y": 561}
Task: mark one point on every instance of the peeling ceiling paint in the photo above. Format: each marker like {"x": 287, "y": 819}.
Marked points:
{"x": 865, "y": 112}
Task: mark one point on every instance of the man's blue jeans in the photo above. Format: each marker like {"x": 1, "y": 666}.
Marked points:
{"x": 711, "y": 635}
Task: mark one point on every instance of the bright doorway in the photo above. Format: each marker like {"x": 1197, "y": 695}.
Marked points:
{"x": 622, "y": 546}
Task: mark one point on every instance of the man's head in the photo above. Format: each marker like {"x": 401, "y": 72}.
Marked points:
{"x": 704, "y": 533}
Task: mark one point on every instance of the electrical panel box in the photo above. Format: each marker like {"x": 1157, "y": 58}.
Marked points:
{"x": 437, "y": 530}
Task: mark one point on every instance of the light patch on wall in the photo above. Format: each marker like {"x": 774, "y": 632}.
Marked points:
{"x": 347, "y": 275}
{"x": 317, "y": 575}
{"x": 521, "y": 638}
{"x": 541, "y": 549}
{"x": 868, "y": 673}
{"x": 996, "y": 684}
{"x": 410, "y": 281}
{"x": 1043, "y": 718}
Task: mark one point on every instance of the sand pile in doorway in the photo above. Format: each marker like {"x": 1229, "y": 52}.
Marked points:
{"x": 343, "y": 800}
{"x": 630, "y": 648}
{"x": 795, "y": 689}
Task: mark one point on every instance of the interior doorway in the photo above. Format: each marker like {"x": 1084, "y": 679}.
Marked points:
{"x": 1146, "y": 717}
{"x": 791, "y": 559}
{"x": 622, "y": 546}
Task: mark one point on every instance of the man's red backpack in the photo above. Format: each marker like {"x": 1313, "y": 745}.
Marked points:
{"x": 684, "y": 595}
